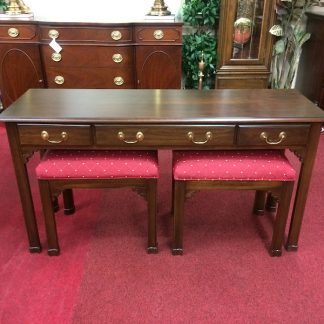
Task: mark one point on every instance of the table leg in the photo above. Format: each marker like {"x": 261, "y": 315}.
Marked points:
{"x": 24, "y": 188}
{"x": 302, "y": 188}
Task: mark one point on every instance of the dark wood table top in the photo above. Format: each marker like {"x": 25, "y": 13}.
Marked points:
{"x": 161, "y": 106}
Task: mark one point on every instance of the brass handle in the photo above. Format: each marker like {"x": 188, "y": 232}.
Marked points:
{"x": 117, "y": 58}
{"x": 191, "y": 137}
{"x": 59, "y": 79}
{"x": 45, "y": 136}
{"x": 53, "y": 33}
{"x": 158, "y": 34}
{"x": 56, "y": 57}
{"x": 265, "y": 136}
{"x": 116, "y": 35}
{"x": 13, "y": 32}
{"x": 118, "y": 80}
{"x": 139, "y": 137}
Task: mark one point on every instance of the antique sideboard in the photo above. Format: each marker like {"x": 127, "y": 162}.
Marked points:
{"x": 155, "y": 119}
{"x": 42, "y": 54}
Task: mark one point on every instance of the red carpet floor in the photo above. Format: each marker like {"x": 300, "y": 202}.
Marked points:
{"x": 104, "y": 275}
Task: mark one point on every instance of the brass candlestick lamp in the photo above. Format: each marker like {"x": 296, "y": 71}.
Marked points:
{"x": 201, "y": 68}
{"x": 159, "y": 9}
{"x": 16, "y": 7}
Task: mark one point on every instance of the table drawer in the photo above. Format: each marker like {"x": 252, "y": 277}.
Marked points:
{"x": 53, "y": 135}
{"x": 276, "y": 135}
{"x": 175, "y": 136}
{"x": 92, "y": 78}
{"x": 158, "y": 34}
{"x": 116, "y": 34}
{"x": 17, "y": 32}
{"x": 88, "y": 56}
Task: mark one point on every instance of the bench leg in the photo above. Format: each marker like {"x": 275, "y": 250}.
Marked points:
{"x": 271, "y": 204}
{"x": 68, "y": 200}
{"x": 50, "y": 224}
{"x": 281, "y": 218}
{"x": 178, "y": 214}
{"x": 152, "y": 210}
{"x": 259, "y": 202}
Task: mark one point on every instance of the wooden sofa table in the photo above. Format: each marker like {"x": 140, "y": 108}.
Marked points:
{"x": 168, "y": 119}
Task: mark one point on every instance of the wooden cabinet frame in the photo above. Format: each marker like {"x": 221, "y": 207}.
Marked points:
{"x": 243, "y": 73}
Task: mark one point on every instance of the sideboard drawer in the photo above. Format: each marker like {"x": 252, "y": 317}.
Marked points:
{"x": 175, "y": 136}
{"x": 88, "y": 56}
{"x": 92, "y": 78}
{"x": 158, "y": 34}
{"x": 49, "y": 134}
{"x": 276, "y": 135}
{"x": 116, "y": 34}
{"x": 17, "y": 32}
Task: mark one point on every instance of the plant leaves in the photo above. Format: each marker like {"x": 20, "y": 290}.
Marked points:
{"x": 276, "y": 30}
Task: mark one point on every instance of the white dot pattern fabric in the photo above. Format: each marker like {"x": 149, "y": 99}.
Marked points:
{"x": 90, "y": 164}
{"x": 232, "y": 165}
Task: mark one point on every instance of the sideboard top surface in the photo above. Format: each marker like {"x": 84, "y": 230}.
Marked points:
{"x": 162, "y": 106}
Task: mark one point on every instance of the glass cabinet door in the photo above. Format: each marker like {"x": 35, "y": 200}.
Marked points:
{"x": 244, "y": 43}
{"x": 247, "y": 29}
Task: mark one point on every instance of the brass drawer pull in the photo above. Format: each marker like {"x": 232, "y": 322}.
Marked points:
{"x": 53, "y": 33}
{"x": 13, "y": 32}
{"x": 59, "y": 79}
{"x": 191, "y": 137}
{"x": 118, "y": 80}
{"x": 265, "y": 136}
{"x": 139, "y": 137}
{"x": 158, "y": 34}
{"x": 56, "y": 57}
{"x": 116, "y": 35}
{"x": 117, "y": 58}
{"x": 45, "y": 136}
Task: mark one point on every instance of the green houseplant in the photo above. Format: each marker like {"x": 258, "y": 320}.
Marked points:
{"x": 291, "y": 34}
{"x": 202, "y": 17}
{"x": 3, "y": 6}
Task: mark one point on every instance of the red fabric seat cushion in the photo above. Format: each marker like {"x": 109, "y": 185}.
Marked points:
{"x": 232, "y": 165}
{"x": 88, "y": 164}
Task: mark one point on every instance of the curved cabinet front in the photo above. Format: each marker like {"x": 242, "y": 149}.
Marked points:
{"x": 20, "y": 70}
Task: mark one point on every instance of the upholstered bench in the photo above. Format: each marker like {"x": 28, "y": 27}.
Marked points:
{"x": 66, "y": 169}
{"x": 261, "y": 170}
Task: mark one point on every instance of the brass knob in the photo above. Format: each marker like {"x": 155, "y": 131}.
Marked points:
{"x": 158, "y": 34}
{"x": 46, "y": 137}
{"x": 116, "y": 35}
{"x": 56, "y": 57}
{"x": 281, "y": 137}
{"x": 139, "y": 137}
{"x": 59, "y": 79}
{"x": 13, "y": 32}
{"x": 118, "y": 81}
{"x": 53, "y": 33}
{"x": 191, "y": 137}
{"x": 117, "y": 58}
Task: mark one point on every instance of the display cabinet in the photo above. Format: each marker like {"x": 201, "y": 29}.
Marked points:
{"x": 244, "y": 43}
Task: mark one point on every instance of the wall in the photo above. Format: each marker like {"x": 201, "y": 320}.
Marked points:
{"x": 105, "y": 10}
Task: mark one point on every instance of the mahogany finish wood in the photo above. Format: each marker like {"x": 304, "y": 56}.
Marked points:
{"x": 164, "y": 117}
{"x": 20, "y": 61}
{"x": 147, "y": 187}
{"x": 283, "y": 191}
{"x": 310, "y": 76}
{"x": 245, "y": 73}
{"x": 144, "y": 55}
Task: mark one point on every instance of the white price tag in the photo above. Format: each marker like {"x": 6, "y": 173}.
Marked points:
{"x": 56, "y": 47}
